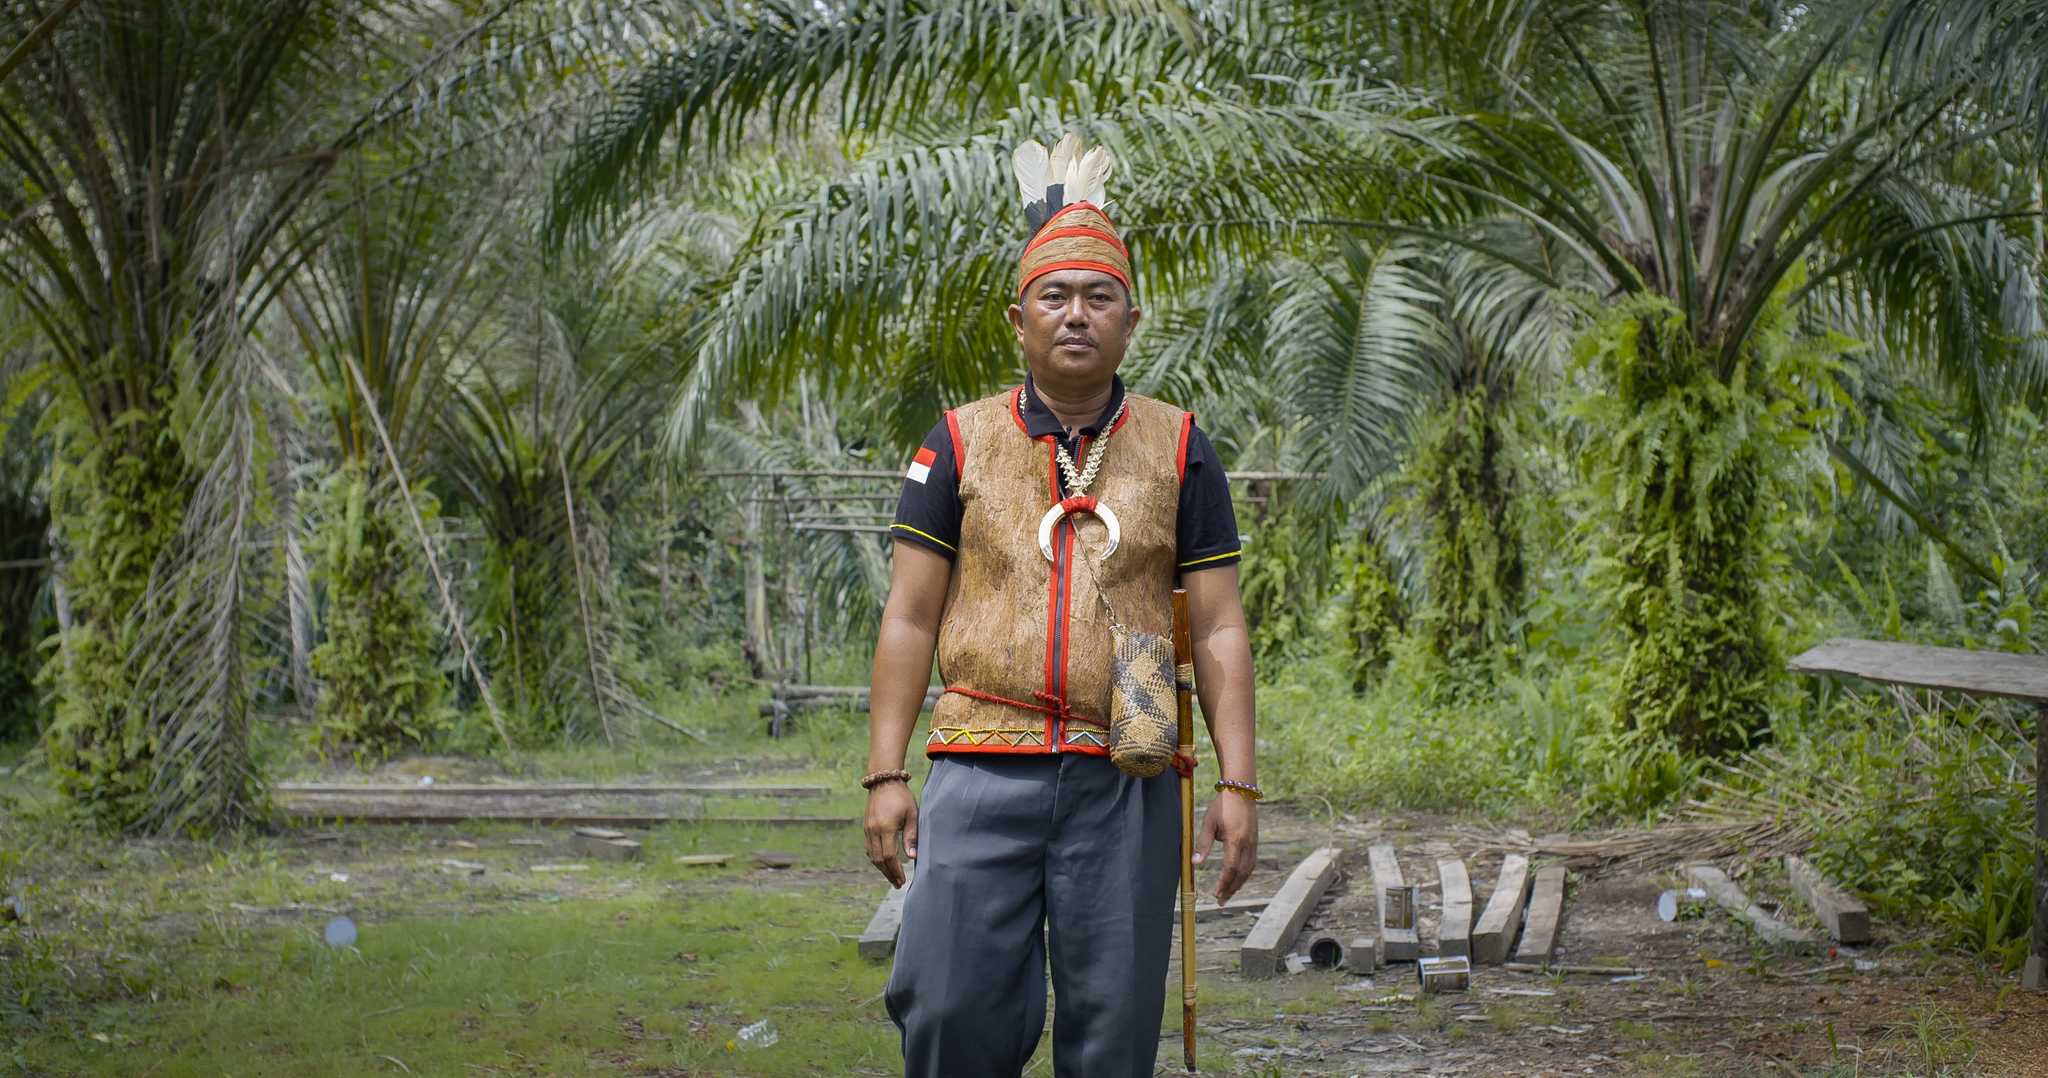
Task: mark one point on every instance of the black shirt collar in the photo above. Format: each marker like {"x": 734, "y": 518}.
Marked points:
{"x": 1039, "y": 420}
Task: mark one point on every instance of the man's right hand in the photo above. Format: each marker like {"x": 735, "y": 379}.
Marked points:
{"x": 892, "y": 811}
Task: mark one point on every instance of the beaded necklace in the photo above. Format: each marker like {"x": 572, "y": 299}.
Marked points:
{"x": 1077, "y": 482}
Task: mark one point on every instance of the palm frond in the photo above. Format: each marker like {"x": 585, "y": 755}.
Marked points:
{"x": 884, "y": 64}
{"x": 1360, "y": 330}
{"x": 922, "y": 238}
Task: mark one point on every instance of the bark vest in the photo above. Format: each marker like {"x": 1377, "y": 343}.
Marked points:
{"x": 1024, "y": 644}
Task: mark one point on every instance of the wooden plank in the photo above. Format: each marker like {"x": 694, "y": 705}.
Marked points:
{"x": 879, "y": 940}
{"x": 1502, "y": 918}
{"x": 1269, "y": 940}
{"x": 301, "y": 814}
{"x": 1454, "y": 932}
{"x": 1845, "y": 918}
{"x": 1546, "y": 916}
{"x": 1396, "y": 944}
{"x": 457, "y": 789}
{"x": 1210, "y": 911}
{"x": 1981, "y": 673}
{"x": 712, "y": 859}
{"x": 607, "y": 844}
{"x": 1731, "y": 898}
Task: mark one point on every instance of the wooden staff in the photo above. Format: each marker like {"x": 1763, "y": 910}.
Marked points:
{"x": 1184, "y": 694}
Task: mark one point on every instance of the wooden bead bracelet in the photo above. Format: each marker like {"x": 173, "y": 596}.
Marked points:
{"x": 876, "y": 778}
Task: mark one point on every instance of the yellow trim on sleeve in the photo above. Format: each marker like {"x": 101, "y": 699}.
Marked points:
{"x": 929, "y": 536}
{"x": 1213, "y": 557}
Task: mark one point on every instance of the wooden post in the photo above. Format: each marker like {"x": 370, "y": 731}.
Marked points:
{"x": 1546, "y": 915}
{"x": 1271, "y": 938}
{"x": 2036, "y": 975}
{"x": 759, "y": 649}
{"x": 1733, "y": 899}
{"x": 1454, "y": 932}
{"x": 1396, "y": 944}
{"x": 1845, "y": 918}
{"x": 879, "y": 940}
{"x": 1503, "y": 915}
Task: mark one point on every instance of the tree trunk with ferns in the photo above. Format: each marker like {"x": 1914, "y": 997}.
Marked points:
{"x": 1465, "y": 500}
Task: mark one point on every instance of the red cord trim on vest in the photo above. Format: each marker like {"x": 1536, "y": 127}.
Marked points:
{"x": 1016, "y": 412}
{"x": 959, "y": 449}
{"x": 1069, "y": 536}
{"x": 1187, "y": 425}
{"x": 1052, "y": 581}
{"x": 1047, "y": 704}
{"x": 989, "y": 697}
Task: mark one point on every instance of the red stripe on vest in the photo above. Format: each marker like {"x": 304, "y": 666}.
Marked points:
{"x": 1187, "y": 424}
{"x": 959, "y": 450}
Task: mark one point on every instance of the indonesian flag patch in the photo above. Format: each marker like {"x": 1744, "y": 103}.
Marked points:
{"x": 921, "y": 466}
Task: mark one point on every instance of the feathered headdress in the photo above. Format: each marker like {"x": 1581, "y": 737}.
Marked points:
{"x": 1064, "y": 200}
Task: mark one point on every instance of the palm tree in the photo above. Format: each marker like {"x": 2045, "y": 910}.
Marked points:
{"x": 153, "y": 160}
{"x": 1720, "y": 173}
{"x": 1724, "y": 187}
{"x": 150, "y": 155}
{"x": 25, "y": 524}
{"x": 388, "y": 301}
{"x": 540, "y": 437}
{"x": 1426, "y": 357}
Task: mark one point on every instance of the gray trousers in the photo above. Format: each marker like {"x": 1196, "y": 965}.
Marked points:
{"x": 1018, "y": 856}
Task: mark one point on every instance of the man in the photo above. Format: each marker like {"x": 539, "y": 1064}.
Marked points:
{"x": 1030, "y": 841}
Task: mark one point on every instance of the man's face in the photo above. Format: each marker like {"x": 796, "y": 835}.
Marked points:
{"x": 1074, "y": 325}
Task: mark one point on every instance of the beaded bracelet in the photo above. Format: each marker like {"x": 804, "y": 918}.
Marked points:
{"x": 876, "y": 778}
{"x": 1248, "y": 789}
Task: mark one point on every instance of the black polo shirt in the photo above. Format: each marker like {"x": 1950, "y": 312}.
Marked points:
{"x": 928, "y": 513}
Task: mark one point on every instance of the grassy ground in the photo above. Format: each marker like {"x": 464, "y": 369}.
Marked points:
{"x": 176, "y": 957}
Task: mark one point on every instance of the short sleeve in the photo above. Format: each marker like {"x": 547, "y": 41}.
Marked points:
{"x": 1208, "y": 524}
{"x": 928, "y": 510}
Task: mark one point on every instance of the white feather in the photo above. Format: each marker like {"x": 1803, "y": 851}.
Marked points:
{"x": 1093, "y": 171}
{"x": 1029, "y": 161}
{"x": 1064, "y": 155}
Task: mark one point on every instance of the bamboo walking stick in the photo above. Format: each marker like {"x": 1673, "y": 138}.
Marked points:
{"x": 1184, "y": 691}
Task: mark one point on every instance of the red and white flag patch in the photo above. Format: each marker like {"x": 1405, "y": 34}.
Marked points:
{"x": 921, "y": 466}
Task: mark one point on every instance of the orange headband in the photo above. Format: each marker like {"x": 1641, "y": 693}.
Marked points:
{"x": 1079, "y": 236}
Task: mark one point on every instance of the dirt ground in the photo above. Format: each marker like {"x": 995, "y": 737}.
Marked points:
{"x": 1710, "y": 998}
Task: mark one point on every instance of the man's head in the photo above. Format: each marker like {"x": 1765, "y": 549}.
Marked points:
{"x": 1074, "y": 325}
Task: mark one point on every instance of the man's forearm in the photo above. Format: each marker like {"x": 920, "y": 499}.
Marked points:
{"x": 1223, "y": 680}
{"x": 903, "y": 668}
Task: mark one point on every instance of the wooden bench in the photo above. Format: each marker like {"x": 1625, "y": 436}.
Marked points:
{"x": 1973, "y": 673}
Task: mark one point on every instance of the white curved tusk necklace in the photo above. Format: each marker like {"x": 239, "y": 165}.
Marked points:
{"x": 1078, "y": 480}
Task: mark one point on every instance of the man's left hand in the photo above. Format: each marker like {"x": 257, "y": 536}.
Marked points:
{"x": 1235, "y": 820}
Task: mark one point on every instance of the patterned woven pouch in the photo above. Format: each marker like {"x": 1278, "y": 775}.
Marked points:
{"x": 1143, "y": 710}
